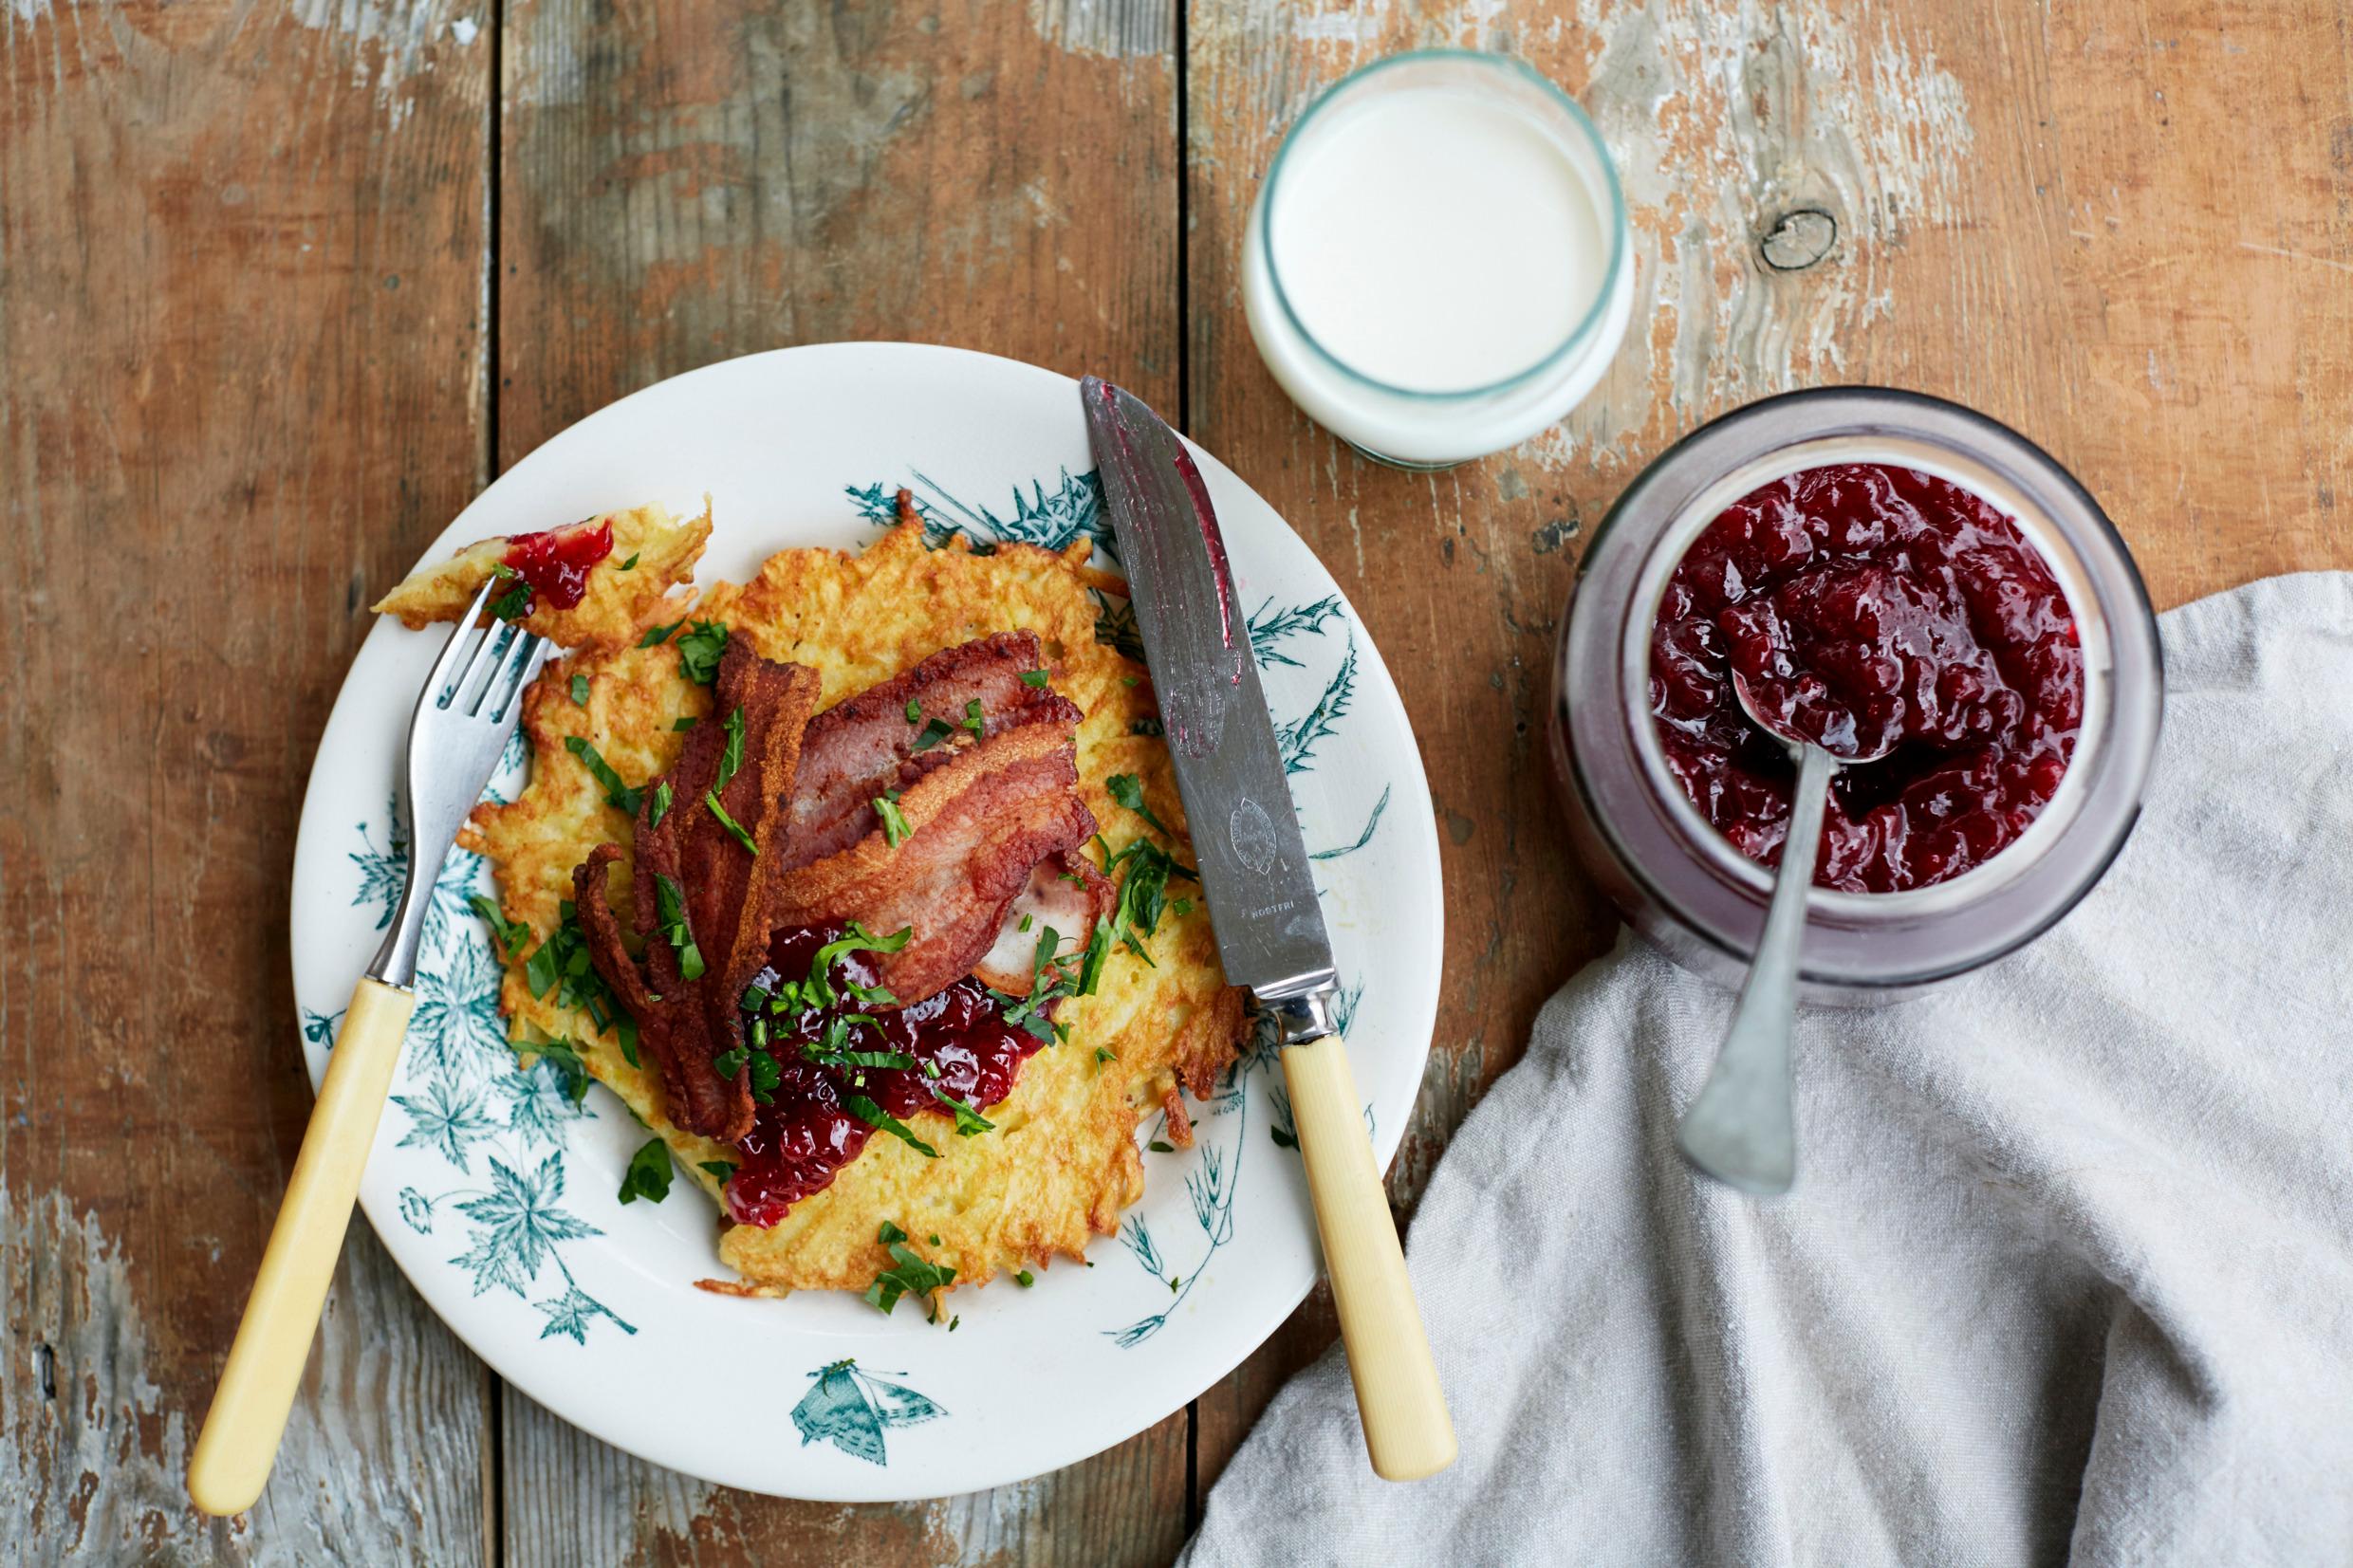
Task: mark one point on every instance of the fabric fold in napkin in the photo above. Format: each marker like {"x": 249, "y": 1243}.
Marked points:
{"x": 2067, "y": 1274}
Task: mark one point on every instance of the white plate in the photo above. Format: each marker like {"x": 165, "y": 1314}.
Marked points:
{"x": 497, "y": 1196}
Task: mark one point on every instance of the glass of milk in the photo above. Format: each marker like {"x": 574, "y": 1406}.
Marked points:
{"x": 1437, "y": 266}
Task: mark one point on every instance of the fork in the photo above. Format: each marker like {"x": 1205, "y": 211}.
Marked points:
{"x": 458, "y": 731}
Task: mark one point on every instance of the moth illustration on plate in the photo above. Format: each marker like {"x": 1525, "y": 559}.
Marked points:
{"x": 850, "y": 1409}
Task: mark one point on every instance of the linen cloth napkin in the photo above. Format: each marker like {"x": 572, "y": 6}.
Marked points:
{"x": 2067, "y": 1273}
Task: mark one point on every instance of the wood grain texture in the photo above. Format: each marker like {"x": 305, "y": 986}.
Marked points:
{"x": 573, "y": 1500}
{"x": 689, "y": 182}
{"x": 2126, "y": 229}
{"x": 244, "y": 267}
{"x": 240, "y": 261}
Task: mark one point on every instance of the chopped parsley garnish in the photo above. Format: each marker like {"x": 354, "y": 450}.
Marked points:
{"x": 895, "y": 829}
{"x": 972, "y": 719}
{"x": 915, "y": 710}
{"x": 661, "y": 808}
{"x": 616, "y": 792}
{"x": 699, "y": 650}
{"x": 1104, "y": 1053}
{"x": 1050, "y": 979}
{"x": 755, "y": 997}
{"x": 1143, "y": 892}
{"x": 648, "y": 1175}
{"x": 1035, "y": 679}
{"x": 1181, "y": 906}
{"x": 859, "y": 940}
{"x": 882, "y": 1120}
{"x": 656, "y": 635}
{"x": 631, "y": 564}
{"x": 711, "y": 799}
{"x": 1027, "y": 921}
{"x": 500, "y": 569}
{"x": 910, "y": 1273}
{"x": 934, "y": 732}
{"x": 1161, "y": 1146}
{"x": 1129, "y": 791}
{"x": 718, "y": 1171}
{"x": 512, "y": 934}
{"x": 766, "y": 1074}
{"x": 561, "y": 964}
{"x": 683, "y": 722}
{"x": 732, "y": 760}
{"x": 1097, "y": 953}
{"x": 580, "y": 690}
{"x": 832, "y": 1049}
{"x": 1025, "y": 1279}
{"x": 728, "y": 1063}
{"x": 626, "y": 1029}
{"x": 513, "y": 604}
{"x": 869, "y": 996}
{"x": 670, "y": 915}
{"x": 968, "y": 1122}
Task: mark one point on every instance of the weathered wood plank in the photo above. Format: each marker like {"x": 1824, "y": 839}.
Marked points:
{"x": 693, "y": 181}
{"x": 573, "y": 1500}
{"x": 2124, "y": 230}
{"x": 240, "y": 261}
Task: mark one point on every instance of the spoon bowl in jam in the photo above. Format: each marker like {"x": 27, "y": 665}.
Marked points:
{"x": 1741, "y": 1129}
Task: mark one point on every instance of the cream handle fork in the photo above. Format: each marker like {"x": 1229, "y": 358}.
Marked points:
{"x": 256, "y": 1392}
{"x": 1406, "y": 1428}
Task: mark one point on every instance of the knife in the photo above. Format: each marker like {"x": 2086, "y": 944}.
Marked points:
{"x": 1262, "y": 903}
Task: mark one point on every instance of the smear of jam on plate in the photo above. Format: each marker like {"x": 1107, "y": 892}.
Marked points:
{"x": 1869, "y": 606}
{"x": 806, "y": 1133}
{"x": 555, "y": 563}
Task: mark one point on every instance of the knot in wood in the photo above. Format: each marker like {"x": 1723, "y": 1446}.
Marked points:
{"x": 1798, "y": 239}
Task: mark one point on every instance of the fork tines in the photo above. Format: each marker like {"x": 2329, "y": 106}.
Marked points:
{"x": 502, "y": 662}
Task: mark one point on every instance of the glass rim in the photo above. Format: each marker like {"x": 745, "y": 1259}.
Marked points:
{"x": 1614, "y": 220}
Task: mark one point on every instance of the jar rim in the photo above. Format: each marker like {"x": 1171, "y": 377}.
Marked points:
{"x": 1681, "y": 862}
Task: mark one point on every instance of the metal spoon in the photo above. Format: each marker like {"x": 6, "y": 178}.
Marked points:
{"x": 1740, "y": 1128}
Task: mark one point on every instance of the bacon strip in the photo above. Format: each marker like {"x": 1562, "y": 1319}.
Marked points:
{"x": 994, "y": 826}
{"x": 1051, "y": 902}
{"x": 727, "y": 893}
{"x": 867, "y": 744}
{"x": 979, "y": 826}
{"x": 694, "y": 1093}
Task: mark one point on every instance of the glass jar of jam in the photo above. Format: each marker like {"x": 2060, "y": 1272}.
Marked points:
{"x": 1891, "y": 571}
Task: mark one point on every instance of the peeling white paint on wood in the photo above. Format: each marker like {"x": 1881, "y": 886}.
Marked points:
{"x": 94, "y": 1458}
{"x": 1115, "y": 30}
{"x": 1769, "y": 158}
{"x": 390, "y": 43}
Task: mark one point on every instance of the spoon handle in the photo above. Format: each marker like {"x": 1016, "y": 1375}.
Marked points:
{"x": 1740, "y": 1130}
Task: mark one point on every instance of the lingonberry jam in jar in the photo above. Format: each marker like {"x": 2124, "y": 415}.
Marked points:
{"x": 1879, "y": 567}
{"x": 1875, "y": 610}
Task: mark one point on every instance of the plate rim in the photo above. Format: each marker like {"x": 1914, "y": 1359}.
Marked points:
{"x": 1213, "y": 1367}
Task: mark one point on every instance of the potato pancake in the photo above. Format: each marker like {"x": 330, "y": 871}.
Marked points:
{"x": 1061, "y": 1162}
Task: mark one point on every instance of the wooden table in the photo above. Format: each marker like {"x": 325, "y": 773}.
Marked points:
{"x": 283, "y": 283}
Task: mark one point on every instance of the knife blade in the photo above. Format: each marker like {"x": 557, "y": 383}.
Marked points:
{"x": 1254, "y": 869}
{"x": 1262, "y": 905}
